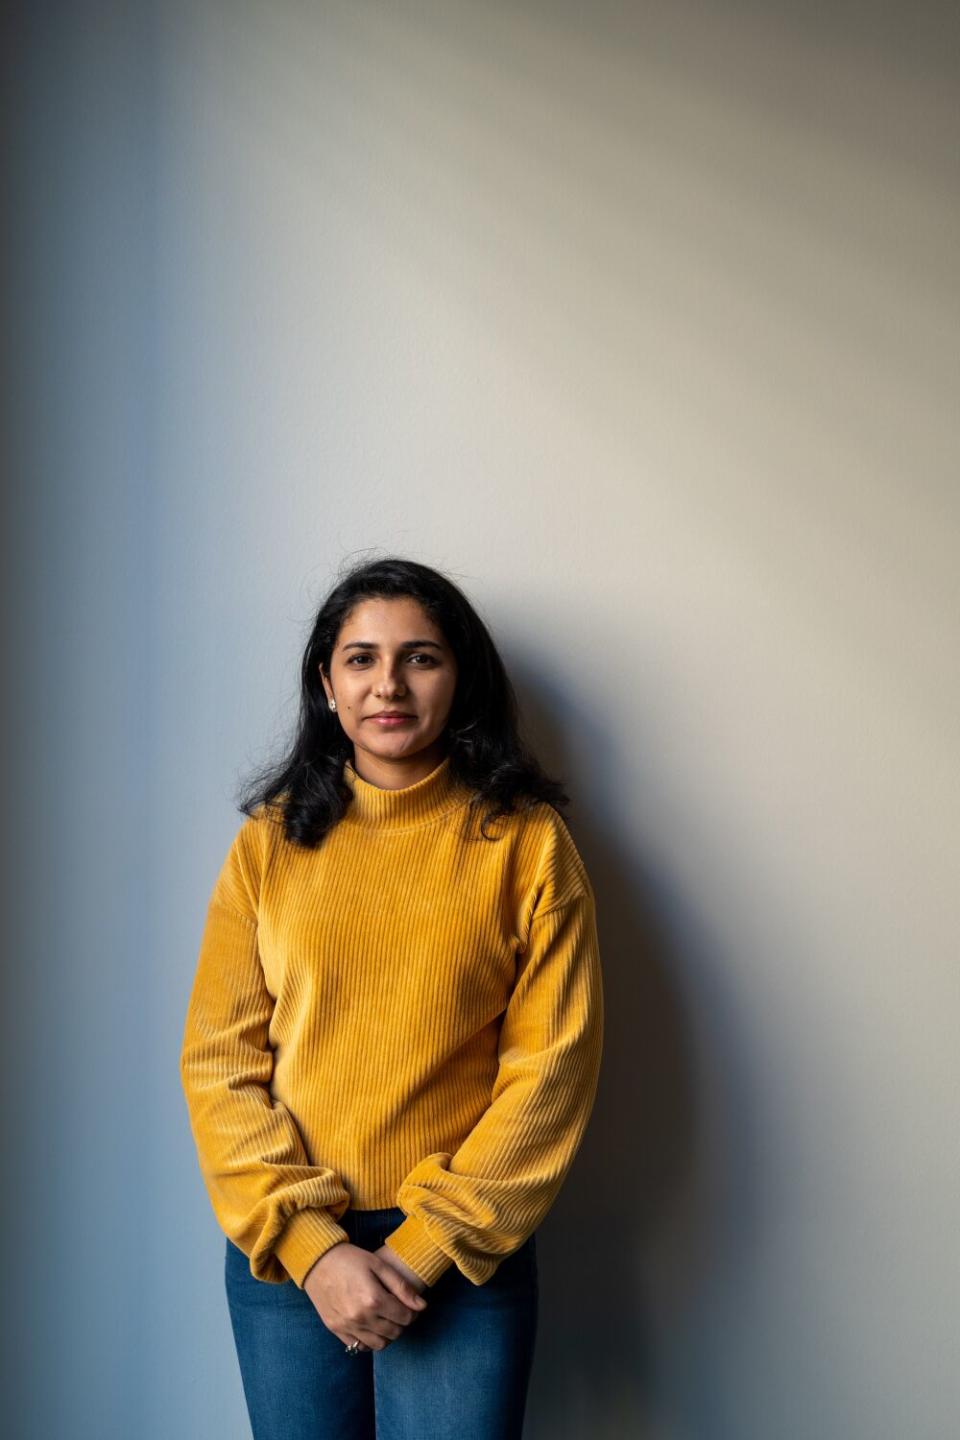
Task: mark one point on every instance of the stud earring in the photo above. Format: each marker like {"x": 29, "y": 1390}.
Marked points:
{"x": 333, "y": 704}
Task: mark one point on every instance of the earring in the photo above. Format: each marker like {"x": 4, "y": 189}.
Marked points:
{"x": 333, "y": 704}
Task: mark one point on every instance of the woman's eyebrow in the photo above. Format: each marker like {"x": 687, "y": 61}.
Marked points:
{"x": 404, "y": 644}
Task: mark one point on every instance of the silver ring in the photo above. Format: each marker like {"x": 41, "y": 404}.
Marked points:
{"x": 353, "y": 1349}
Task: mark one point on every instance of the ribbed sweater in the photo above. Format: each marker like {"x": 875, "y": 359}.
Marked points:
{"x": 408, "y": 1015}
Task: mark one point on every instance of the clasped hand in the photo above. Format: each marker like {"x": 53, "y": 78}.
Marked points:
{"x": 364, "y": 1295}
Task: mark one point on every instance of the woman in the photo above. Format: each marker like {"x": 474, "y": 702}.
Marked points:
{"x": 393, "y": 1039}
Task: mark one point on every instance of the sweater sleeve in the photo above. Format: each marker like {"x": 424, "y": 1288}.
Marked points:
{"x": 280, "y": 1209}
{"x": 478, "y": 1205}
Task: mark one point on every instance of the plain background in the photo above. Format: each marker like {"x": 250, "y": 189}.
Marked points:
{"x": 641, "y": 322}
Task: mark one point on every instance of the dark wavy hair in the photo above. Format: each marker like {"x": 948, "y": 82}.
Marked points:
{"x": 305, "y": 790}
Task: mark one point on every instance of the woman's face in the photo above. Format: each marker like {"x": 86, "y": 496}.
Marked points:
{"x": 389, "y": 655}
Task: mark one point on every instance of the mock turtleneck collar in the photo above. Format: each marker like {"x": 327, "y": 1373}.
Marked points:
{"x": 418, "y": 804}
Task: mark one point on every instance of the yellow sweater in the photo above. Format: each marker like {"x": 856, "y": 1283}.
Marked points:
{"x": 409, "y": 1015}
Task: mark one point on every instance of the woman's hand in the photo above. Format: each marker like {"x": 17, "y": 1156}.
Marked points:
{"x": 361, "y": 1296}
{"x": 392, "y": 1258}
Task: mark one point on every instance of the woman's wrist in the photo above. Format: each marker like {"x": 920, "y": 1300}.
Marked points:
{"x": 392, "y": 1258}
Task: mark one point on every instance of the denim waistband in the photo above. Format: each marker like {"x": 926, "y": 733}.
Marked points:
{"x": 371, "y": 1227}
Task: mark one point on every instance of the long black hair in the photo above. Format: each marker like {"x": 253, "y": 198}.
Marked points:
{"x": 306, "y": 791}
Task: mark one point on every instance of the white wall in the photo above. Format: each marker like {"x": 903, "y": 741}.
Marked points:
{"x": 641, "y": 323}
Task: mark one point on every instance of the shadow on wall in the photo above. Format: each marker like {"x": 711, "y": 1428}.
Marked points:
{"x": 661, "y": 1183}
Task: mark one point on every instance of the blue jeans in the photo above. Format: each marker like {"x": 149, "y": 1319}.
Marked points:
{"x": 459, "y": 1371}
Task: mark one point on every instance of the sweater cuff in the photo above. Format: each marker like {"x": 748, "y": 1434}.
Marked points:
{"x": 307, "y": 1235}
{"x": 415, "y": 1248}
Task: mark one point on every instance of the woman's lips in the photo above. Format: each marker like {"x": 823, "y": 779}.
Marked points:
{"x": 387, "y": 720}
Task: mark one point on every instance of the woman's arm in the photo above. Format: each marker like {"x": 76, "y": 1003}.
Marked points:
{"x": 478, "y": 1205}
{"x": 271, "y": 1202}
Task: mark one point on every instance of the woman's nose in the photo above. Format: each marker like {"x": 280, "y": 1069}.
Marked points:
{"x": 390, "y": 682}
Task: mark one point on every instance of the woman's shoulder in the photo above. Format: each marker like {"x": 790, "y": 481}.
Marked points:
{"x": 552, "y": 867}
{"x": 249, "y": 854}
{"x": 541, "y": 819}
